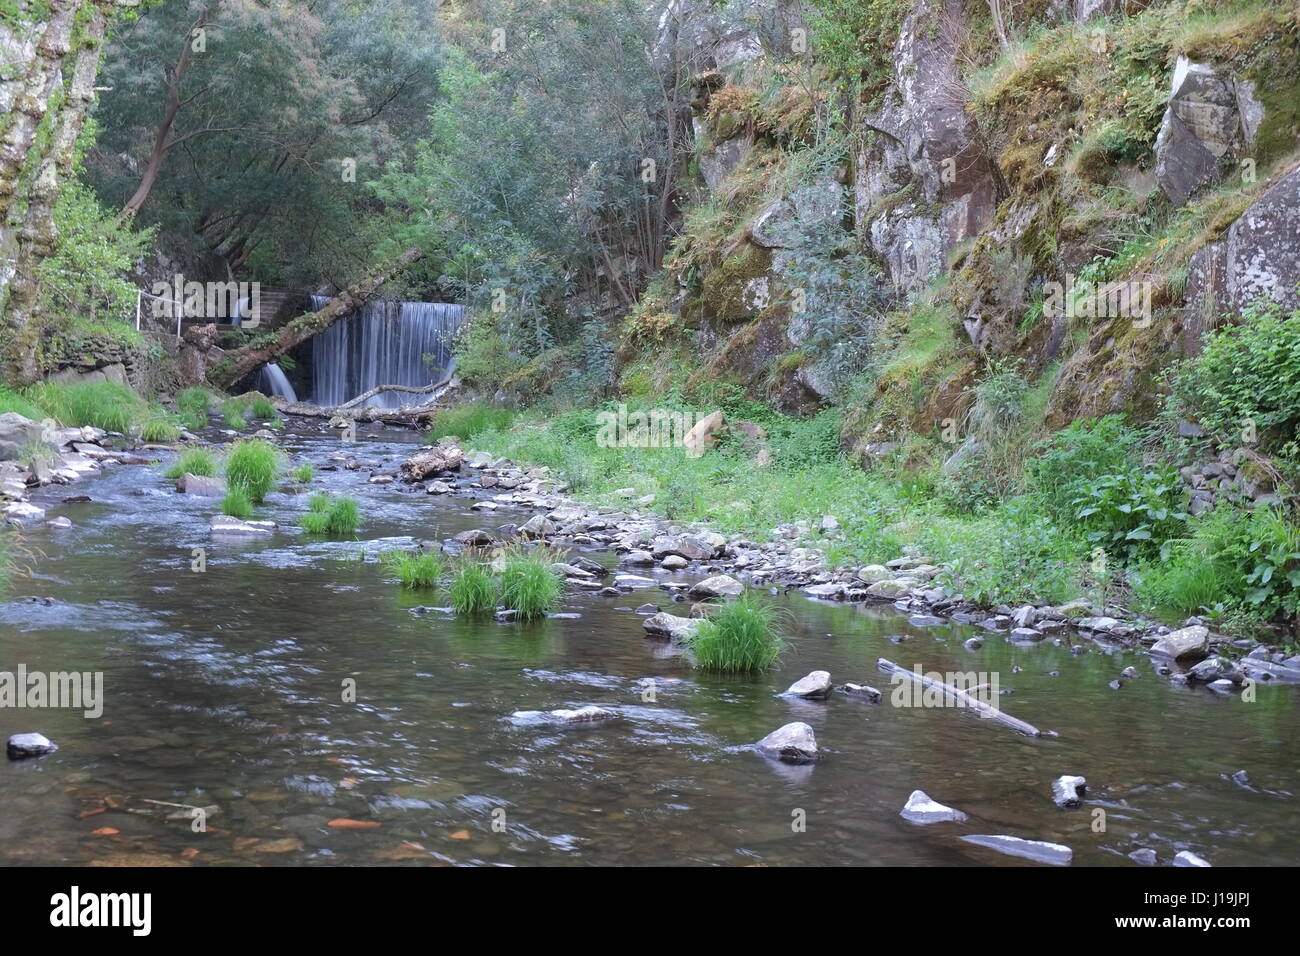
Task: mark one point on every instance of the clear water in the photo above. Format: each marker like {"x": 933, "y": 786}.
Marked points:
{"x": 224, "y": 689}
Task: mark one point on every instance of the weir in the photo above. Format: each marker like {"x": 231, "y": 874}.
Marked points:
{"x": 385, "y": 343}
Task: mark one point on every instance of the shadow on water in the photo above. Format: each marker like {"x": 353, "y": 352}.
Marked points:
{"x": 226, "y": 689}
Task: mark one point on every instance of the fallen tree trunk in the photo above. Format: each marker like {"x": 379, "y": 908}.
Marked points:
{"x": 413, "y": 389}
{"x": 233, "y": 366}
{"x": 964, "y": 699}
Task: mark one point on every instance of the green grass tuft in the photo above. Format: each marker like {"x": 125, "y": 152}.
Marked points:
{"x": 260, "y": 407}
{"x": 415, "y": 569}
{"x": 237, "y": 504}
{"x": 253, "y": 466}
{"x": 192, "y": 407}
{"x": 232, "y": 410}
{"x": 740, "y": 639}
{"x": 105, "y": 405}
{"x": 303, "y": 474}
{"x": 528, "y": 585}
{"x": 193, "y": 461}
{"x": 473, "y": 588}
{"x": 337, "y": 517}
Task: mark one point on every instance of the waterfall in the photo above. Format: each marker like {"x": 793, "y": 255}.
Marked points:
{"x": 386, "y": 343}
{"x": 271, "y": 380}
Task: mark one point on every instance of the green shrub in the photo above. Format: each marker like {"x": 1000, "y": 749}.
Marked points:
{"x": 193, "y": 461}
{"x": 467, "y": 420}
{"x": 105, "y": 405}
{"x": 236, "y": 503}
{"x": 303, "y": 474}
{"x": 192, "y": 407}
{"x": 1247, "y": 379}
{"x": 473, "y": 588}
{"x": 528, "y": 585}
{"x": 338, "y": 517}
{"x": 1132, "y": 514}
{"x": 1085, "y": 450}
{"x": 253, "y": 465}
{"x": 415, "y": 569}
{"x": 740, "y": 638}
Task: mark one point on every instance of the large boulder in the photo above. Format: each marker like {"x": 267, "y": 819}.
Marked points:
{"x": 1188, "y": 643}
{"x": 17, "y": 435}
{"x": 793, "y": 743}
{"x": 1210, "y": 121}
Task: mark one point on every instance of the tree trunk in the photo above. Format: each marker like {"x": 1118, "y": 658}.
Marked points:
{"x": 230, "y": 368}
{"x": 34, "y": 233}
{"x": 162, "y": 136}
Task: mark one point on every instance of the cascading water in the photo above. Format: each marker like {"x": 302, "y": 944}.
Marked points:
{"x": 386, "y": 343}
{"x": 271, "y": 380}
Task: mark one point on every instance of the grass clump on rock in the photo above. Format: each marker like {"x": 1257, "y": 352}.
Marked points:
{"x": 253, "y": 466}
{"x": 260, "y": 407}
{"x": 339, "y": 517}
{"x": 415, "y": 569}
{"x": 529, "y": 586}
{"x": 473, "y": 589}
{"x": 193, "y": 461}
{"x": 740, "y": 638}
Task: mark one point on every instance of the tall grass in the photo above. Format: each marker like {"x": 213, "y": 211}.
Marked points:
{"x": 236, "y": 504}
{"x": 260, "y": 407}
{"x": 232, "y": 410}
{"x": 415, "y": 569}
{"x": 467, "y": 420}
{"x": 253, "y": 466}
{"x": 528, "y": 585}
{"x": 159, "y": 427}
{"x": 740, "y": 638}
{"x": 193, "y": 461}
{"x": 473, "y": 589}
{"x": 11, "y": 401}
{"x": 192, "y": 407}
{"x": 303, "y": 474}
{"x": 105, "y": 405}
{"x": 338, "y": 517}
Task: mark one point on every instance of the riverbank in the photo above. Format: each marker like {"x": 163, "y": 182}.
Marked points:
{"x": 806, "y": 519}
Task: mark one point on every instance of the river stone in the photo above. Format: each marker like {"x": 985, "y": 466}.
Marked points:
{"x": 674, "y": 562}
{"x": 926, "y": 620}
{"x": 17, "y": 433}
{"x": 814, "y": 686}
{"x": 1144, "y": 856}
{"x": 1067, "y": 790}
{"x": 873, "y": 573}
{"x": 537, "y": 527}
{"x": 1036, "y": 850}
{"x": 224, "y": 524}
{"x": 629, "y": 582}
{"x": 639, "y": 558}
{"x": 59, "y": 522}
{"x": 865, "y": 691}
{"x": 589, "y": 714}
{"x": 1209, "y": 670}
{"x": 437, "y": 488}
{"x": 889, "y": 590}
{"x": 830, "y": 591}
{"x": 920, "y": 808}
{"x": 475, "y": 537}
{"x": 793, "y": 743}
{"x": 720, "y": 585}
{"x": 22, "y": 746}
{"x": 1187, "y": 642}
{"x": 200, "y": 485}
{"x": 1187, "y": 858}
{"x": 665, "y": 625}
{"x": 21, "y": 510}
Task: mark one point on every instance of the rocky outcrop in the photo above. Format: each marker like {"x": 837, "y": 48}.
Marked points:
{"x": 18, "y": 435}
{"x": 1209, "y": 124}
{"x": 923, "y": 182}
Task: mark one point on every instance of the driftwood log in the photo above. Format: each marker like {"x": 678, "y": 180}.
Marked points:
{"x": 965, "y": 699}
